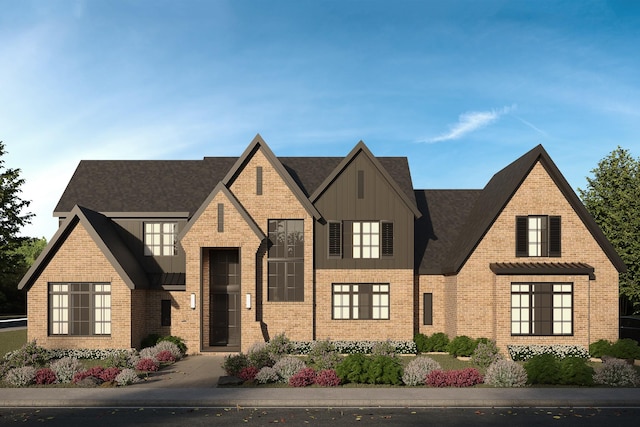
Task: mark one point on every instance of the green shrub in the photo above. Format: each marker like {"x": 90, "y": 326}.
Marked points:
{"x": 600, "y": 348}
{"x": 625, "y": 348}
{"x": 352, "y": 369}
{"x": 437, "y": 342}
{"x": 149, "y": 341}
{"x": 420, "y": 340}
{"x": 575, "y": 371}
{"x": 234, "y": 363}
{"x": 383, "y": 370}
{"x": 176, "y": 340}
{"x": 543, "y": 369}
{"x": 461, "y": 346}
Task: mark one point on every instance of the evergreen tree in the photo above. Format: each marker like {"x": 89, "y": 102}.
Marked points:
{"x": 12, "y": 218}
{"x": 612, "y": 197}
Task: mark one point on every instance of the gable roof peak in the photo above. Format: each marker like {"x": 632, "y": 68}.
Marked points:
{"x": 259, "y": 144}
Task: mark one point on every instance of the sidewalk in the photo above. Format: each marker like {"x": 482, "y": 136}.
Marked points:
{"x": 192, "y": 383}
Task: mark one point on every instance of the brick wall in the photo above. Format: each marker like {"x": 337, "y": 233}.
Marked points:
{"x": 483, "y": 299}
{"x": 400, "y": 323}
{"x": 80, "y": 260}
{"x": 276, "y": 202}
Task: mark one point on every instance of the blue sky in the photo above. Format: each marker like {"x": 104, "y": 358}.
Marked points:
{"x": 461, "y": 88}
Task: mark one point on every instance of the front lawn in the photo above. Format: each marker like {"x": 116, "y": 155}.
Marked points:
{"x": 12, "y": 340}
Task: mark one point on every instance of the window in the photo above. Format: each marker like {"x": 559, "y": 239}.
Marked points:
{"x": 160, "y": 238}
{"x": 286, "y": 260}
{"x": 335, "y": 239}
{"x": 366, "y": 239}
{"x": 541, "y": 309}
{"x": 165, "y": 312}
{"x": 538, "y": 236}
{"x": 428, "y": 309}
{"x": 80, "y": 309}
{"x": 361, "y": 301}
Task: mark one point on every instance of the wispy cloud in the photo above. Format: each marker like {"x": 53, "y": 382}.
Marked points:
{"x": 471, "y": 121}
{"x": 532, "y": 126}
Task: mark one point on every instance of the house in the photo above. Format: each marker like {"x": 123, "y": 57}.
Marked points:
{"x": 225, "y": 252}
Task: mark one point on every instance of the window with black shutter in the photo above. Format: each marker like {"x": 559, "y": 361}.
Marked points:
{"x": 335, "y": 239}
{"x": 538, "y": 236}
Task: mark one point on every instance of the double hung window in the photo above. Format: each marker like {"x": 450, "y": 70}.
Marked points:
{"x": 160, "y": 238}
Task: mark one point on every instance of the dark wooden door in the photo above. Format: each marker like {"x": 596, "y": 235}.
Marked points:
{"x": 224, "y": 302}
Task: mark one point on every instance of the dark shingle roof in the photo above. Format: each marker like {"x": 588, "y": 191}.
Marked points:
{"x": 444, "y": 212}
{"x": 183, "y": 185}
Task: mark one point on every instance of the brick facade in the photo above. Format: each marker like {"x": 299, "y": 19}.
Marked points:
{"x": 474, "y": 301}
{"x": 79, "y": 259}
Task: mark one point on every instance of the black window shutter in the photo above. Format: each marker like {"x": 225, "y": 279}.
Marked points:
{"x": 521, "y": 236}
{"x": 335, "y": 239}
{"x": 387, "y": 239}
{"x": 428, "y": 309}
{"x": 555, "y": 237}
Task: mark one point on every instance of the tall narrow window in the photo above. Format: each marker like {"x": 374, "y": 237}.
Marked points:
{"x": 335, "y": 239}
{"x": 360, "y": 184}
{"x": 160, "y": 238}
{"x": 165, "y": 312}
{"x": 220, "y": 217}
{"x": 259, "y": 180}
{"x": 428, "y": 309}
{"x": 538, "y": 236}
{"x": 286, "y": 260}
{"x": 80, "y": 309}
{"x": 366, "y": 239}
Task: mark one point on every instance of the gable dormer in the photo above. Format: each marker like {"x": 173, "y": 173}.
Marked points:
{"x": 369, "y": 216}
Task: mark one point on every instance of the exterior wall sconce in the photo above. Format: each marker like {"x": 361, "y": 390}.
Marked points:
{"x": 248, "y": 301}
{"x": 193, "y": 302}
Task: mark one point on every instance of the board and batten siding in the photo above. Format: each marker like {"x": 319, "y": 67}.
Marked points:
{"x": 379, "y": 202}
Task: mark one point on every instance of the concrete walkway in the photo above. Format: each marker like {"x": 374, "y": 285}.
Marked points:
{"x": 192, "y": 382}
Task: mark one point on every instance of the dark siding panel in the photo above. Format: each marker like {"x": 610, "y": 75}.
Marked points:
{"x": 340, "y": 203}
{"x": 220, "y": 217}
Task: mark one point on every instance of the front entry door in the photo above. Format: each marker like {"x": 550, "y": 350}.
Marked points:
{"x": 224, "y": 300}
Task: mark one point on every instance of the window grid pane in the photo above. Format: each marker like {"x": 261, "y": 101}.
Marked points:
{"x": 286, "y": 260}
{"x": 366, "y": 239}
{"x": 80, "y": 309}
{"x": 542, "y": 309}
{"x": 160, "y": 238}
